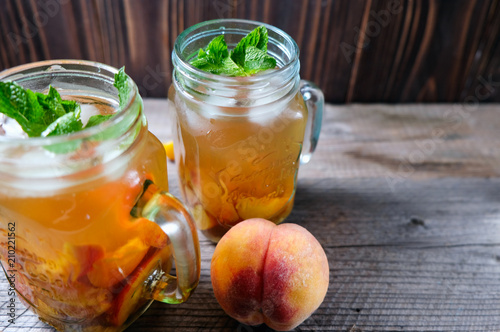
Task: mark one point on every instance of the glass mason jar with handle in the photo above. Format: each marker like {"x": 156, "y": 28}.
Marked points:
{"x": 88, "y": 230}
{"x": 239, "y": 140}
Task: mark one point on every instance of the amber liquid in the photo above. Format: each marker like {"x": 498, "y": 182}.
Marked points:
{"x": 233, "y": 168}
{"x": 81, "y": 258}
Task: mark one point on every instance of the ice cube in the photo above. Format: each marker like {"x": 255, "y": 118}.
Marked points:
{"x": 267, "y": 114}
{"x": 10, "y": 128}
{"x": 198, "y": 124}
{"x": 88, "y": 110}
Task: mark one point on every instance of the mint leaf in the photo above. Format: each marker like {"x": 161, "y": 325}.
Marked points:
{"x": 66, "y": 124}
{"x": 23, "y": 106}
{"x": 230, "y": 68}
{"x": 248, "y": 57}
{"x": 213, "y": 58}
{"x": 257, "y": 60}
{"x": 227, "y": 67}
{"x": 216, "y": 50}
{"x": 94, "y": 120}
{"x": 121, "y": 83}
{"x": 53, "y": 102}
{"x": 205, "y": 65}
{"x": 48, "y": 114}
{"x": 257, "y": 38}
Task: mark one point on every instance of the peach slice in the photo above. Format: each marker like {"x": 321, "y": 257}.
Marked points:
{"x": 82, "y": 257}
{"x": 132, "y": 295}
{"x": 264, "y": 207}
{"x": 117, "y": 265}
{"x": 201, "y": 218}
{"x": 150, "y": 233}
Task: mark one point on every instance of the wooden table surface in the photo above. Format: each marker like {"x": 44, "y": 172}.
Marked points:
{"x": 405, "y": 201}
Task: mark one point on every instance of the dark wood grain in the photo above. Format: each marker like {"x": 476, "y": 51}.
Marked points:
{"x": 356, "y": 51}
{"x": 413, "y": 243}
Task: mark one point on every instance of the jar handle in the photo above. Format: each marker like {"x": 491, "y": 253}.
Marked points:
{"x": 169, "y": 213}
{"x": 315, "y": 102}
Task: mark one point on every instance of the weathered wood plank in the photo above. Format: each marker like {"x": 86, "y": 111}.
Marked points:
{"x": 406, "y": 261}
{"x": 405, "y": 141}
{"x": 357, "y": 51}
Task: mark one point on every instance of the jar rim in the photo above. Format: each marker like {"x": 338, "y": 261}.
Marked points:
{"x": 68, "y": 66}
{"x": 178, "y": 59}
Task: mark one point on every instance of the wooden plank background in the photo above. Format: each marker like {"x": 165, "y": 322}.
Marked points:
{"x": 356, "y": 51}
{"x": 405, "y": 201}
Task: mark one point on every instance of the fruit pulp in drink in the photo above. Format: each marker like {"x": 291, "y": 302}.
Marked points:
{"x": 236, "y": 163}
{"x": 82, "y": 260}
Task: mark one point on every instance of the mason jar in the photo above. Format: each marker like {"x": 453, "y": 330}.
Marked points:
{"x": 239, "y": 140}
{"x": 88, "y": 230}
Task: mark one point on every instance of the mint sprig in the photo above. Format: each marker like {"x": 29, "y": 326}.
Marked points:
{"x": 248, "y": 57}
{"x": 33, "y": 111}
{"x": 48, "y": 114}
{"x": 215, "y": 59}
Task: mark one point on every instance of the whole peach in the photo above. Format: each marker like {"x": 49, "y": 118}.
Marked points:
{"x": 267, "y": 273}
